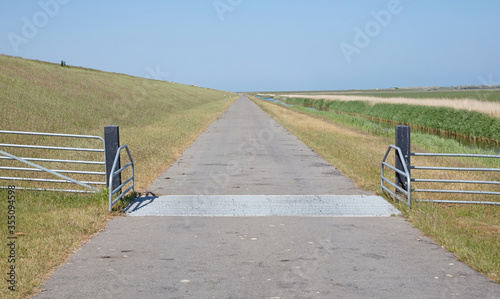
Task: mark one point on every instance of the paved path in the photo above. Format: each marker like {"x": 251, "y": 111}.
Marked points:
{"x": 247, "y": 152}
{"x": 265, "y": 256}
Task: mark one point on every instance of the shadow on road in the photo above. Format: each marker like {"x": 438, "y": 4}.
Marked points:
{"x": 139, "y": 203}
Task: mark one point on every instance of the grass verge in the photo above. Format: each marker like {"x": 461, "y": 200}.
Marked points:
{"x": 471, "y": 232}
{"x": 49, "y": 227}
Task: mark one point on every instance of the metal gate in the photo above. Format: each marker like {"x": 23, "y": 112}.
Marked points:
{"x": 403, "y": 192}
{"x": 399, "y": 191}
{"x": 451, "y": 182}
{"x": 118, "y": 189}
{"x": 28, "y": 154}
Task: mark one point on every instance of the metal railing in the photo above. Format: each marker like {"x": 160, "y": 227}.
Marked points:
{"x": 403, "y": 172}
{"x": 56, "y": 172}
{"x": 456, "y": 181}
{"x": 114, "y": 173}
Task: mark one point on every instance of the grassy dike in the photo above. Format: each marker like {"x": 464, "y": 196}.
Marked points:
{"x": 157, "y": 119}
{"x": 356, "y": 147}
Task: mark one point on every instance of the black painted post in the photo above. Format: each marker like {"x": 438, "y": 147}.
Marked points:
{"x": 111, "y": 145}
{"x": 403, "y": 141}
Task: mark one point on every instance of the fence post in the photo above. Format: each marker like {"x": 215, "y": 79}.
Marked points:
{"x": 111, "y": 145}
{"x": 403, "y": 141}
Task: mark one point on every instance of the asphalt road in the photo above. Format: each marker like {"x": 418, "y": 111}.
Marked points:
{"x": 246, "y": 152}
{"x": 266, "y": 256}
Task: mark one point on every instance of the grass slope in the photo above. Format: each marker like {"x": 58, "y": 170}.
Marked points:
{"x": 157, "y": 119}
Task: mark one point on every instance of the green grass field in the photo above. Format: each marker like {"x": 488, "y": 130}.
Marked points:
{"x": 470, "y": 124}
{"x": 157, "y": 119}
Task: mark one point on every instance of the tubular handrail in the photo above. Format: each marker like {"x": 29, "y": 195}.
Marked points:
{"x": 59, "y": 161}
{"x": 453, "y": 155}
{"x": 55, "y": 170}
{"x": 405, "y": 173}
{"x": 52, "y": 134}
{"x": 116, "y": 172}
{"x": 98, "y": 150}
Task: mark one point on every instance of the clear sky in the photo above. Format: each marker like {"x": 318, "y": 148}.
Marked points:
{"x": 262, "y": 45}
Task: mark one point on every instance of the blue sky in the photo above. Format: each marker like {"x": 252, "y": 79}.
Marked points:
{"x": 262, "y": 45}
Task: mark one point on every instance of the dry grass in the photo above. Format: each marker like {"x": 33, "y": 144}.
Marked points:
{"x": 49, "y": 229}
{"x": 490, "y": 108}
{"x": 471, "y": 232}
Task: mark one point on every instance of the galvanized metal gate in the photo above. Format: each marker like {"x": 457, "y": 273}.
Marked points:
{"x": 399, "y": 190}
{"x": 118, "y": 189}
{"x": 65, "y": 166}
{"x": 403, "y": 191}
{"x": 89, "y": 186}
